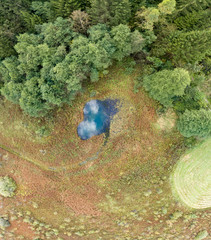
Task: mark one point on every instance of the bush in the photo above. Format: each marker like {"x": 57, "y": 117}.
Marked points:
{"x": 4, "y": 223}
{"x": 206, "y": 63}
{"x": 190, "y": 142}
{"x": 7, "y": 186}
{"x": 201, "y": 235}
{"x": 195, "y": 123}
{"x": 43, "y": 131}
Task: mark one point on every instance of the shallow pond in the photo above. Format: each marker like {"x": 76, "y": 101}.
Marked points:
{"x": 97, "y": 118}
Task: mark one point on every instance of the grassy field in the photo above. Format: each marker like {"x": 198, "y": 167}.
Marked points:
{"x": 192, "y": 177}
{"x": 122, "y": 194}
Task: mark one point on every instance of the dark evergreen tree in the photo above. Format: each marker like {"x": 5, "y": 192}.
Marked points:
{"x": 183, "y": 47}
{"x": 186, "y": 6}
{"x": 136, "y": 5}
{"x": 193, "y": 99}
{"x": 189, "y": 47}
{"x": 196, "y": 20}
{"x": 30, "y": 20}
{"x": 110, "y": 12}
{"x": 64, "y": 8}
{"x": 11, "y": 24}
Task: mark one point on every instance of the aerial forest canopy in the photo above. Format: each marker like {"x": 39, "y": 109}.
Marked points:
{"x": 49, "y": 49}
{"x": 53, "y": 62}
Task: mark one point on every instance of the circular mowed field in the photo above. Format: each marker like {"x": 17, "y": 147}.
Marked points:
{"x": 191, "y": 178}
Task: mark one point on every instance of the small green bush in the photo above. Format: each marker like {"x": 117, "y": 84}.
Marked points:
{"x": 7, "y": 186}
{"x": 42, "y": 132}
{"x": 176, "y": 215}
{"x": 190, "y": 142}
{"x": 4, "y": 223}
{"x": 137, "y": 84}
{"x": 201, "y": 235}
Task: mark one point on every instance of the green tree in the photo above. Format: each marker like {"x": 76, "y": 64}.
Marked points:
{"x": 136, "y": 5}
{"x": 193, "y": 99}
{"x": 53, "y": 62}
{"x": 12, "y": 91}
{"x": 64, "y": 8}
{"x": 189, "y": 47}
{"x": 195, "y": 123}
{"x": 30, "y": 20}
{"x": 110, "y": 12}
{"x": 167, "y": 6}
{"x": 11, "y": 24}
{"x": 185, "y": 6}
{"x": 7, "y": 41}
{"x": 31, "y": 79}
{"x": 163, "y": 86}
{"x": 31, "y": 100}
{"x": 126, "y": 42}
{"x": 183, "y": 47}
{"x": 196, "y": 20}
{"x": 146, "y": 18}
{"x": 43, "y": 10}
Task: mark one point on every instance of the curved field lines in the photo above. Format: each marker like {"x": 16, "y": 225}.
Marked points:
{"x": 191, "y": 178}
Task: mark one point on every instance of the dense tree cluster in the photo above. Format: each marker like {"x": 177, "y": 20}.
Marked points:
{"x": 53, "y": 62}
{"x": 48, "y": 48}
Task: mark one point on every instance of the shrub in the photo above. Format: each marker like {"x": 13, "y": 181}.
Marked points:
{"x": 195, "y": 123}
{"x": 176, "y": 215}
{"x": 7, "y": 186}
{"x": 4, "y": 223}
{"x": 43, "y": 131}
{"x": 201, "y": 235}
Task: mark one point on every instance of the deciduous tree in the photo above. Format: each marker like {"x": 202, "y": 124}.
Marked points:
{"x": 195, "y": 123}
{"x": 167, "y": 6}
{"x": 163, "y": 86}
{"x": 53, "y": 62}
{"x": 81, "y": 21}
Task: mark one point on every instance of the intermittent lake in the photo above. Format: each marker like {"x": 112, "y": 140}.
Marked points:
{"x": 97, "y": 118}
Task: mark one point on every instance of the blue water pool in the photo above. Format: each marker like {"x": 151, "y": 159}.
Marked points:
{"x": 97, "y": 117}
